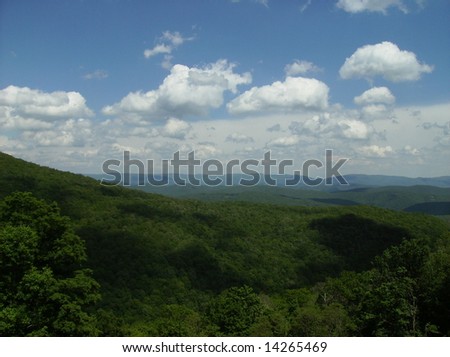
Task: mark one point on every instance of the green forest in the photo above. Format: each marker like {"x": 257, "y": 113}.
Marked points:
{"x": 78, "y": 258}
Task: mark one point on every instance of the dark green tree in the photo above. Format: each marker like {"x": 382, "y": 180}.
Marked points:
{"x": 44, "y": 289}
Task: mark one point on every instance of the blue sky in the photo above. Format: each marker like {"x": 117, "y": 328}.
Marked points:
{"x": 81, "y": 81}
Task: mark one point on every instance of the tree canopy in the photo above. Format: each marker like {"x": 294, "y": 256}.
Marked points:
{"x": 44, "y": 289}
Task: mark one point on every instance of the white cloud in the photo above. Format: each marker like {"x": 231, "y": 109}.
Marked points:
{"x": 73, "y": 132}
{"x": 375, "y": 111}
{"x": 185, "y": 91}
{"x": 11, "y": 121}
{"x": 383, "y": 59}
{"x": 318, "y": 125}
{"x": 375, "y": 95}
{"x": 239, "y": 138}
{"x": 356, "y": 6}
{"x": 204, "y": 151}
{"x": 169, "y": 41}
{"x": 354, "y": 129}
{"x": 376, "y": 151}
{"x": 334, "y": 125}
{"x": 158, "y": 49}
{"x": 167, "y": 62}
{"x": 35, "y": 104}
{"x": 176, "y": 128}
{"x": 174, "y": 38}
{"x": 284, "y": 141}
{"x": 22, "y": 108}
{"x": 300, "y": 67}
{"x": 295, "y": 93}
{"x": 305, "y": 6}
{"x": 98, "y": 74}
{"x": 50, "y": 138}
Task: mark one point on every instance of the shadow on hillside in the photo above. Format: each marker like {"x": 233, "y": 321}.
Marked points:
{"x": 357, "y": 240}
{"x": 434, "y": 208}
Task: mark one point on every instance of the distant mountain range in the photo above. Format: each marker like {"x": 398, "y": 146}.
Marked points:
{"x": 426, "y": 195}
{"x": 354, "y": 181}
{"x": 384, "y": 180}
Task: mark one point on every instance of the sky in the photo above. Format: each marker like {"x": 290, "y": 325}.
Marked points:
{"x": 83, "y": 81}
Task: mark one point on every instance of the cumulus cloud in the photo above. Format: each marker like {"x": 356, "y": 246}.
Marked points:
{"x": 176, "y": 128}
{"x": 284, "y": 141}
{"x": 204, "y": 150}
{"x": 376, "y": 151}
{"x": 185, "y": 91}
{"x": 239, "y": 138}
{"x": 72, "y": 132}
{"x": 354, "y": 129}
{"x": 384, "y": 59}
{"x": 374, "y": 95}
{"x": 332, "y": 125}
{"x": 11, "y": 121}
{"x": 376, "y": 111}
{"x": 35, "y": 104}
{"x": 22, "y": 108}
{"x": 169, "y": 41}
{"x": 356, "y": 6}
{"x": 300, "y": 67}
{"x": 295, "y": 93}
{"x": 317, "y": 126}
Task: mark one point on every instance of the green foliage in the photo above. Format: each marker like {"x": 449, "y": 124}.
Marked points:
{"x": 41, "y": 293}
{"x": 189, "y": 268}
{"x": 235, "y": 310}
{"x": 315, "y": 320}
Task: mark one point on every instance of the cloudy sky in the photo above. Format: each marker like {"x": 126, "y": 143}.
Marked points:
{"x": 82, "y": 81}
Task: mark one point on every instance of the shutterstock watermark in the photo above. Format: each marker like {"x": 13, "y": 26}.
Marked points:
{"x": 212, "y": 172}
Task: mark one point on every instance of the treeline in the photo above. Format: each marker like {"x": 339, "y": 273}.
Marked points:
{"x": 138, "y": 264}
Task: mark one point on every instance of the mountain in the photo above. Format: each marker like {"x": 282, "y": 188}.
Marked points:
{"x": 385, "y": 180}
{"x": 425, "y": 199}
{"x": 426, "y": 195}
{"x": 171, "y": 267}
{"x": 354, "y": 181}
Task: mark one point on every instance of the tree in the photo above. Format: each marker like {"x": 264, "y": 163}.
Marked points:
{"x": 393, "y": 304}
{"x": 235, "y": 310}
{"x": 44, "y": 290}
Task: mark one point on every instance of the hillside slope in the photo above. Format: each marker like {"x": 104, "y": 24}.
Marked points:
{"x": 169, "y": 267}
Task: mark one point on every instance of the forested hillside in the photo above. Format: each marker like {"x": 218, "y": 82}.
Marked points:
{"x": 168, "y": 267}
